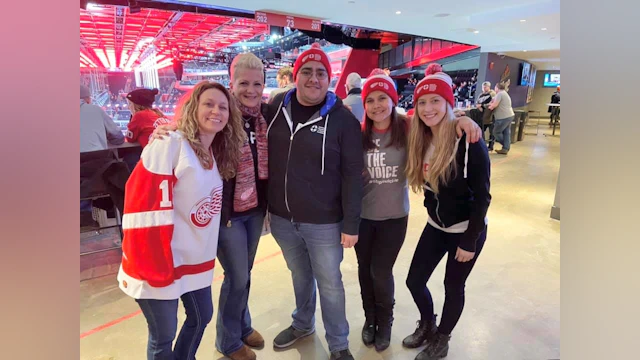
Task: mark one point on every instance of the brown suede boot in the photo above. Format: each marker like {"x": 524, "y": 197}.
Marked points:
{"x": 244, "y": 353}
{"x": 254, "y": 340}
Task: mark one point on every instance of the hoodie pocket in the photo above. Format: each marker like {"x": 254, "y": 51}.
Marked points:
{"x": 323, "y": 197}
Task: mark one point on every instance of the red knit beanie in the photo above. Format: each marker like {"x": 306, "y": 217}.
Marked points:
{"x": 315, "y": 53}
{"x": 435, "y": 82}
{"x": 379, "y": 81}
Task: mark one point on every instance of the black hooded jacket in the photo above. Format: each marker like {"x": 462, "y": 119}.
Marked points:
{"x": 315, "y": 166}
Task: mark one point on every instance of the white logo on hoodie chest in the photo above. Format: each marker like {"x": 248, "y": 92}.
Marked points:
{"x": 317, "y": 129}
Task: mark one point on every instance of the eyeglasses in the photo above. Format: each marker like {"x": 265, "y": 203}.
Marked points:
{"x": 307, "y": 73}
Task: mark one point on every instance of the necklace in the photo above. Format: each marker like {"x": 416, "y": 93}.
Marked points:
{"x": 246, "y": 122}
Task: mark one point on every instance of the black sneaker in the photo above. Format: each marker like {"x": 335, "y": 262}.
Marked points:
{"x": 289, "y": 336}
{"x": 368, "y": 332}
{"x": 341, "y": 355}
{"x": 424, "y": 331}
{"x": 437, "y": 348}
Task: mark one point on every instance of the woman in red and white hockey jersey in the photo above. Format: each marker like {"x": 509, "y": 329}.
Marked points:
{"x": 172, "y": 218}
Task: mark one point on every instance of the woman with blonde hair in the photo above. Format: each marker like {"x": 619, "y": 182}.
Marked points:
{"x": 244, "y": 204}
{"x": 172, "y": 216}
{"x": 454, "y": 176}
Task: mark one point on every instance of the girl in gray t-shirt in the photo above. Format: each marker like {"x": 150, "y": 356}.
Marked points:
{"x": 385, "y": 205}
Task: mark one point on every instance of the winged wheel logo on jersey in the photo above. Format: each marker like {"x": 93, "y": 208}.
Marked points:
{"x": 207, "y": 208}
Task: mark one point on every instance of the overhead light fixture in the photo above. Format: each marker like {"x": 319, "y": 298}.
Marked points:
{"x": 398, "y": 12}
{"x": 476, "y": 32}
{"x": 544, "y": 29}
{"x": 524, "y": 50}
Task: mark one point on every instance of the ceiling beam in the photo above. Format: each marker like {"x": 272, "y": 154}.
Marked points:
{"x": 167, "y": 5}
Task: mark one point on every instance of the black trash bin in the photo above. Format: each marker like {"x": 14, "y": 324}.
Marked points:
{"x": 523, "y": 121}
{"x": 514, "y": 127}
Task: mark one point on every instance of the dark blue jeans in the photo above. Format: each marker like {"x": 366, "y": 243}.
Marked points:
{"x": 162, "y": 320}
{"x": 313, "y": 254}
{"x": 237, "y": 246}
{"x": 502, "y": 132}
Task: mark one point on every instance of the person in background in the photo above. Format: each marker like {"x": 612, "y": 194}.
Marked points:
{"x": 144, "y": 118}
{"x": 503, "y": 114}
{"x": 554, "y": 110}
{"x": 315, "y": 197}
{"x": 172, "y": 217}
{"x": 455, "y": 179}
{"x": 354, "y": 97}
{"x": 284, "y": 77}
{"x": 463, "y": 91}
{"x": 244, "y": 203}
{"x": 97, "y": 129}
{"x": 486, "y": 115}
{"x": 385, "y": 206}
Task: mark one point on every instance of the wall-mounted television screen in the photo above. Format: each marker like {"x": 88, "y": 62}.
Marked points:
{"x": 525, "y": 73}
{"x": 551, "y": 80}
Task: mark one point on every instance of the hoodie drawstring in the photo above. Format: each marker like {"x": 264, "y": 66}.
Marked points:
{"x": 466, "y": 159}
{"x": 274, "y": 118}
{"x": 324, "y": 138}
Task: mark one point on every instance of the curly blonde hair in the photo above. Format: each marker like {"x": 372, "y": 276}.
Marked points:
{"x": 226, "y": 145}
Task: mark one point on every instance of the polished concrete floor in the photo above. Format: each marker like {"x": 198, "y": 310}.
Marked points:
{"x": 513, "y": 295}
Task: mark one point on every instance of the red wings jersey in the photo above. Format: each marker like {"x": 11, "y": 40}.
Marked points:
{"x": 171, "y": 222}
{"x": 142, "y": 125}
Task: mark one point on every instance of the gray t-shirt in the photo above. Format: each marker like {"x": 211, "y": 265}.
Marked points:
{"x": 97, "y": 129}
{"x": 504, "y": 109}
{"x": 355, "y": 103}
{"x": 386, "y": 194}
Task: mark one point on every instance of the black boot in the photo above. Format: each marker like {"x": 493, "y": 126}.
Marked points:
{"x": 368, "y": 332}
{"x": 383, "y": 336}
{"x": 437, "y": 348}
{"x": 425, "y": 331}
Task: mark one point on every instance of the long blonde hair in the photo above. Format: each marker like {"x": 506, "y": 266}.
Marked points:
{"x": 226, "y": 145}
{"x": 441, "y": 166}
{"x": 137, "y": 108}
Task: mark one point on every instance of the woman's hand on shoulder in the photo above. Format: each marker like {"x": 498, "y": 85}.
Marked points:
{"x": 465, "y": 124}
{"x": 162, "y": 130}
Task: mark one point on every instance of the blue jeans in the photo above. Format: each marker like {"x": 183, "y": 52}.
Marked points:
{"x": 502, "y": 132}
{"x": 237, "y": 246}
{"x": 313, "y": 253}
{"x": 162, "y": 320}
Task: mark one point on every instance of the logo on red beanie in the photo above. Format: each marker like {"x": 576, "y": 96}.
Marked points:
{"x": 381, "y": 84}
{"x": 311, "y": 57}
{"x": 427, "y": 87}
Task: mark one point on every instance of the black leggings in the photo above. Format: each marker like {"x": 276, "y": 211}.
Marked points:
{"x": 379, "y": 243}
{"x": 431, "y": 248}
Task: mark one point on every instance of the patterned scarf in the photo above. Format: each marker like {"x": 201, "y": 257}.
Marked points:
{"x": 246, "y": 193}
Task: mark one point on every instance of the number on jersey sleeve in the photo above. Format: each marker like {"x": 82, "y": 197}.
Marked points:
{"x": 148, "y": 215}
